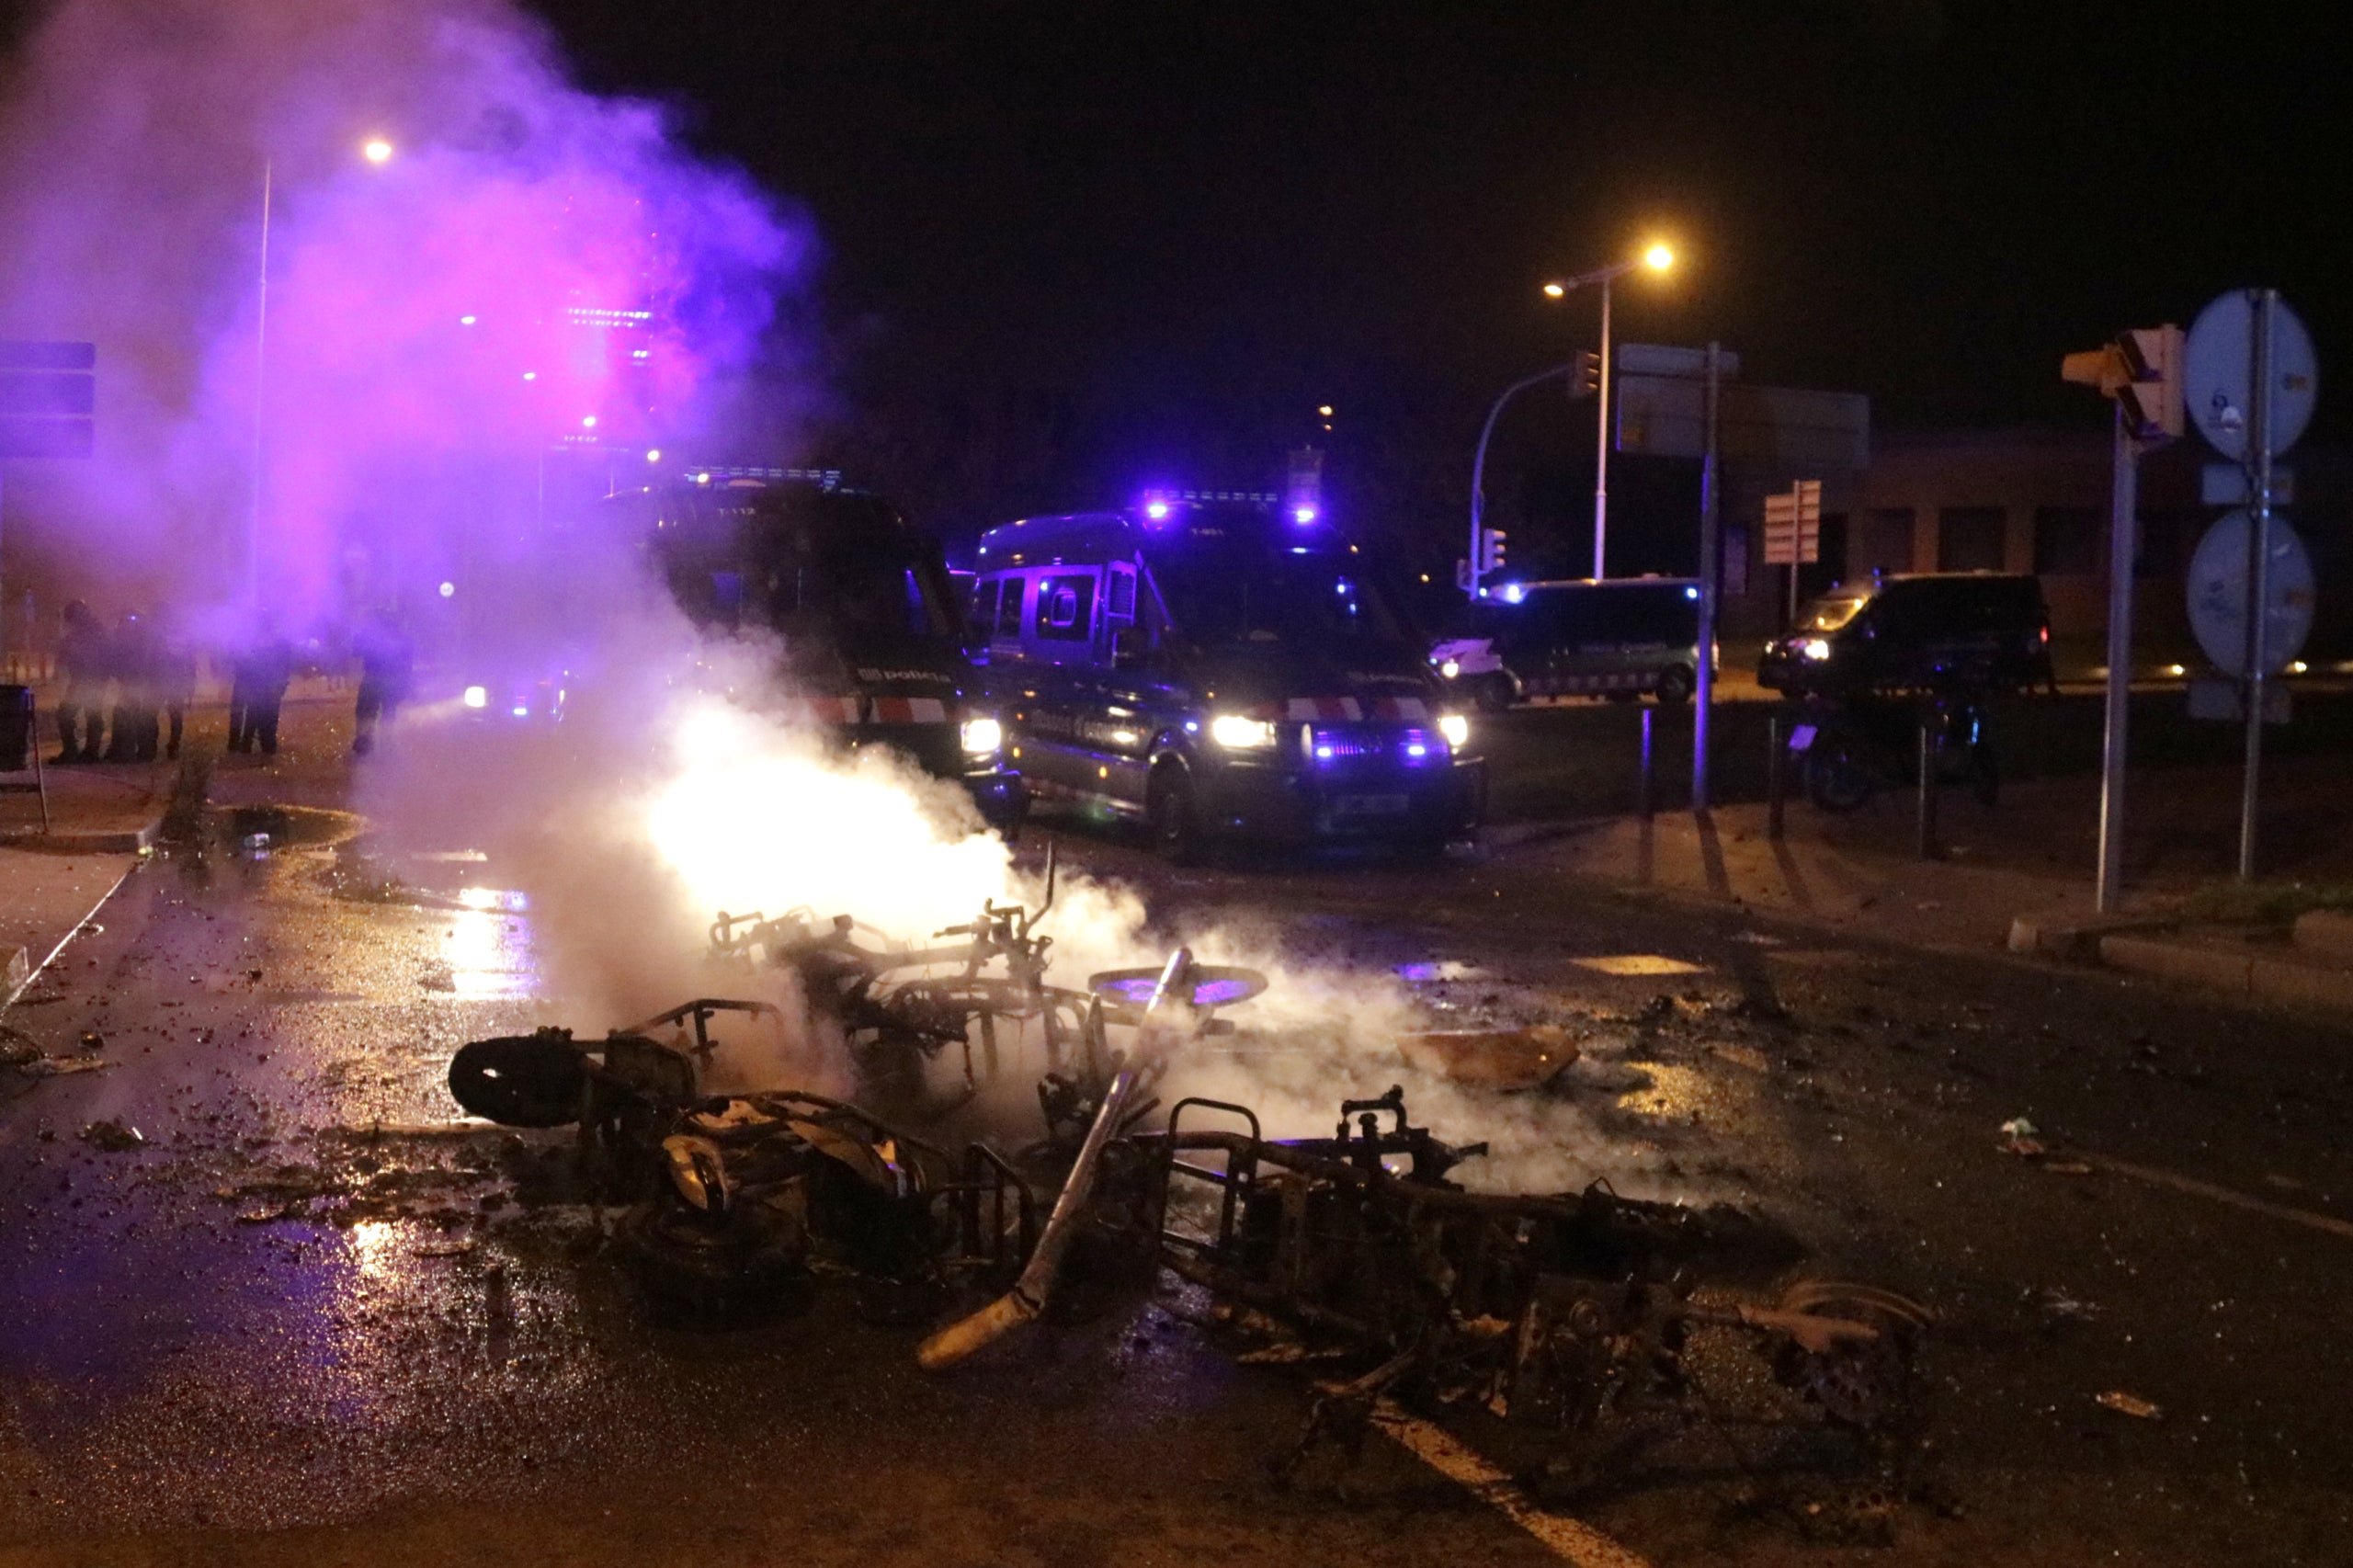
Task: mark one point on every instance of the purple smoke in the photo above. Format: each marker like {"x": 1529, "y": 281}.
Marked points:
{"x": 537, "y": 280}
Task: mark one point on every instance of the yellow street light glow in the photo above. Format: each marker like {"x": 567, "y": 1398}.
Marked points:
{"x": 1325, "y": 410}
{"x": 1658, "y": 258}
{"x": 376, "y": 150}
{"x": 1553, "y": 290}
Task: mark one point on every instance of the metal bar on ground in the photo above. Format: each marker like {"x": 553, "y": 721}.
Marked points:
{"x": 1774, "y": 764}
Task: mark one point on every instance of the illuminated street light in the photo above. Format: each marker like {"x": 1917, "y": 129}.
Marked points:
{"x": 1658, "y": 257}
{"x": 376, "y": 150}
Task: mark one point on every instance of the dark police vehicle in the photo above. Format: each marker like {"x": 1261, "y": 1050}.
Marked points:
{"x": 860, "y": 603}
{"x": 1221, "y": 665}
{"x": 1618, "y": 638}
{"x": 1972, "y": 630}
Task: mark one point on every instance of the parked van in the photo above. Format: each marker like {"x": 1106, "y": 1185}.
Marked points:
{"x": 859, "y": 605}
{"x": 1219, "y": 668}
{"x": 1982, "y": 631}
{"x": 1620, "y": 637}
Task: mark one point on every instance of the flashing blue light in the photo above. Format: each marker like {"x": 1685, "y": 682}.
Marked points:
{"x": 1156, "y": 510}
{"x": 1417, "y": 749}
{"x": 1324, "y": 752}
{"x": 522, "y": 713}
{"x": 1299, "y": 549}
{"x": 1690, "y": 593}
{"x": 1303, "y": 514}
{"x": 1514, "y": 593}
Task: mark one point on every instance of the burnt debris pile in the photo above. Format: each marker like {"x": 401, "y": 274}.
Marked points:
{"x": 1595, "y": 1323}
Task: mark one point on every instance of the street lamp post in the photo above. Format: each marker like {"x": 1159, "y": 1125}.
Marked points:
{"x": 1658, "y": 258}
{"x": 376, "y": 151}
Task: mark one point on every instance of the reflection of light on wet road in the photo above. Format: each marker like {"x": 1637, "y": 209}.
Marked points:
{"x": 490, "y": 950}
{"x": 1674, "y": 1091}
{"x": 378, "y": 1249}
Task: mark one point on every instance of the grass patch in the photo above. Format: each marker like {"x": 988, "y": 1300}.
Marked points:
{"x": 2264, "y": 904}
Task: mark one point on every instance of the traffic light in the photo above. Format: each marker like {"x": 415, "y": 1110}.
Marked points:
{"x": 2151, "y": 399}
{"x": 1491, "y": 551}
{"x": 2142, "y": 370}
{"x": 1588, "y": 380}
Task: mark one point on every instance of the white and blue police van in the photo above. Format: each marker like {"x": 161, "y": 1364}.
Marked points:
{"x": 1223, "y": 666}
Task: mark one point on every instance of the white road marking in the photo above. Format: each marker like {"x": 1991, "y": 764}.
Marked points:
{"x": 1570, "y": 1540}
{"x": 79, "y": 927}
{"x": 2236, "y": 1199}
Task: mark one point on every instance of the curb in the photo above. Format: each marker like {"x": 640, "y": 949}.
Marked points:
{"x": 91, "y": 841}
{"x": 2073, "y": 936}
{"x": 2252, "y": 976}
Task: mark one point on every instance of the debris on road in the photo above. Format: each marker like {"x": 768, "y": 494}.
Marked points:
{"x": 115, "y": 1136}
{"x": 59, "y": 1066}
{"x": 1509, "y": 1060}
{"x": 2128, "y": 1404}
{"x": 2022, "y": 1138}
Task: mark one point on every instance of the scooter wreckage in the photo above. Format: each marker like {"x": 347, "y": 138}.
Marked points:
{"x": 1576, "y": 1316}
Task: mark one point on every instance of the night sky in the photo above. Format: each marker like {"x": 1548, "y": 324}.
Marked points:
{"x": 1073, "y": 248}
{"x": 1069, "y": 244}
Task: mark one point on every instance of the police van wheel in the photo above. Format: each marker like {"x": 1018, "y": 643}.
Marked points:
{"x": 1674, "y": 687}
{"x": 1175, "y": 821}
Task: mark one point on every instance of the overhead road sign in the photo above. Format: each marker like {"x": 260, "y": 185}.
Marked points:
{"x": 1673, "y": 359}
{"x": 1666, "y": 416}
{"x": 2219, "y": 379}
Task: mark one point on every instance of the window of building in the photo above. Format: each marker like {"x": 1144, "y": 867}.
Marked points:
{"x": 1969, "y": 539}
{"x": 1886, "y": 544}
{"x": 2066, "y": 541}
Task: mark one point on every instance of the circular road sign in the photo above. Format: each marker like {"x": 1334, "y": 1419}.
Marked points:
{"x": 2218, "y": 374}
{"x": 2218, "y": 594}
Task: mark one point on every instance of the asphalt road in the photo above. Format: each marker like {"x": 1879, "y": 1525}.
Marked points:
{"x": 270, "y": 1334}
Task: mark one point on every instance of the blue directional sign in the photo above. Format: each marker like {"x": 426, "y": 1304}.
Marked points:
{"x": 49, "y": 393}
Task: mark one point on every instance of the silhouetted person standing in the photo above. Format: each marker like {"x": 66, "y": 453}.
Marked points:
{"x": 387, "y": 667}
{"x": 264, "y": 671}
{"x": 82, "y": 660}
{"x": 175, "y": 683}
{"x": 136, "y": 658}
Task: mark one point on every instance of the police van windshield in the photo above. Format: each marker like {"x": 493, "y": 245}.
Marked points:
{"x": 1831, "y": 612}
{"x": 801, "y": 561}
{"x": 1231, "y": 597}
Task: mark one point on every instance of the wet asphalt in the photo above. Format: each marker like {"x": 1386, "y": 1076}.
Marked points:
{"x": 302, "y": 1320}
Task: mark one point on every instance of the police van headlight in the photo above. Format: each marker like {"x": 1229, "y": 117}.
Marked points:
{"x": 1236, "y": 733}
{"x": 1456, "y": 729}
{"x": 1451, "y": 668}
{"x": 476, "y": 696}
{"x": 982, "y": 736}
{"x": 1815, "y": 648}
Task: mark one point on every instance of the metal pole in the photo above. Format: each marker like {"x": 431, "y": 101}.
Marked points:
{"x": 1601, "y": 450}
{"x": 2124, "y": 546}
{"x": 2258, "y": 575}
{"x": 261, "y": 364}
{"x": 1479, "y": 459}
{"x": 1926, "y": 821}
{"x": 1703, "y": 700}
{"x": 1644, "y": 802}
{"x": 1775, "y": 760}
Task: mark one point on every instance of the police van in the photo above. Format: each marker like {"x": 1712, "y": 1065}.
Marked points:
{"x": 859, "y": 603}
{"x": 1220, "y": 665}
{"x": 1621, "y": 637}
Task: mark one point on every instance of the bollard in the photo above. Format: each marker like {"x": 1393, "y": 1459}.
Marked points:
{"x": 1929, "y": 849}
{"x": 1775, "y": 761}
{"x": 1642, "y": 796}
